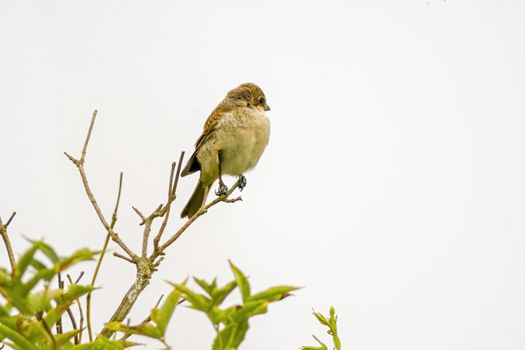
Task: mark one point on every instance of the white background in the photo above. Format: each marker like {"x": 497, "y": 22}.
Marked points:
{"x": 393, "y": 187}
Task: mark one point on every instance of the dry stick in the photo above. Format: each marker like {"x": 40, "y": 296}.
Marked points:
{"x": 79, "y": 163}
{"x": 172, "y": 189}
{"x": 141, "y": 216}
{"x": 7, "y": 242}
{"x": 10, "y": 219}
{"x": 59, "y": 322}
{"x": 200, "y": 212}
{"x": 101, "y": 257}
{"x": 161, "y": 211}
{"x": 117, "y": 255}
{"x": 78, "y": 337}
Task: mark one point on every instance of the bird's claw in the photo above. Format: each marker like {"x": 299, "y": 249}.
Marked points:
{"x": 222, "y": 190}
{"x": 242, "y": 182}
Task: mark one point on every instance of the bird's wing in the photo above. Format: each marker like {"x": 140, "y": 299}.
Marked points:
{"x": 209, "y": 128}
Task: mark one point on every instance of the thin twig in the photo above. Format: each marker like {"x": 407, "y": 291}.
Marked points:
{"x": 80, "y": 166}
{"x": 78, "y": 337}
{"x": 10, "y": 219}
{"x": 200, "y": 212}
{"x": 117, "y": 255}
{"x": 79, "y": 277}
{"x": 172, "y": 188}
{"x": 88, "y": 136}
{"x": 59, "y": 322}
{"x": 7, "y": 243}
{"x": 141, "y": 216}
{"x": 101, "y": 256}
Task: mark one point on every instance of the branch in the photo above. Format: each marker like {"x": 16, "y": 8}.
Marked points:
{"x": 117, "y": 255}
{"x": 79, "y": 163}
{"x": 7, "y": 243}
{"x": 10, "y": 219}
{"x": 78, "y": 337}
{"x": 101, "y": 256}
{"x": 223, "y": 198}
{"x": 172, "y": 189}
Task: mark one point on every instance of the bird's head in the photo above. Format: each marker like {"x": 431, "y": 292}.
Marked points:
{"x": 248, "y": 94}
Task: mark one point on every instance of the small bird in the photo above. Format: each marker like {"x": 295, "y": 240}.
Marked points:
{"x": 234, "y": 138}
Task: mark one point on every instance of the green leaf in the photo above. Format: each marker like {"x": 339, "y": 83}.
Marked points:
{"x": 250, "y": 309}
{"x": 223, "y": 293}
{"x": 321, "y": 318}
{"x": 322, "y": 347}
{"x": 42, "y": 275}
{"x": 225, "y": 338}
{"x": 78, "y": 256}
{"x": 103, "y": 343}
{"x": 25, "y": 261}
{"x": 16, "y": 337}
{"x": 145, "y": 329}
{"x": 273, "y": 294}
{"x": 40, "y": 301}
{"x": 37, "y": 264}
{"x": 242, "y": 281}
{"x": 3, "y": 311}
{"x": 55, "y": 313}
{"x": 75, "y": 291}
{"x": 240, "y": 333}
{"x": 5, "y": 277}
{"x": 207, "y": 287}
{"x": 63, "y": 338}
{"x": 197, "y": 301}
{"x": 47, "y": 250}
{"x": 162, "y": 315}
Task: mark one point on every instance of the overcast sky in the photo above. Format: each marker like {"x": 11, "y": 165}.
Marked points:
{"x": 393, "y": 186}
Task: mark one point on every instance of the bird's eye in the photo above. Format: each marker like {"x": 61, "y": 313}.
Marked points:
{"x": 262, "y": 100}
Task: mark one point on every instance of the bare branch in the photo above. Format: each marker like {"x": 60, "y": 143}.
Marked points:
{"x": 172, "y": 188}
{"x": 59, "y": 322}
{"x": 176, "y": 183}
{"x": 200, "y": 212}
{"x": 141, "y": 216}
{"x": 101, "y": 257}
{"x": 79, "y": 277}
{"x": 78, "y": 337}
{"x": 7, "y": 243}
{"x": 88, "y": 136}
{"x": 115, "y": 254}
{"x": 10, "y": 219}
{"x": 80, "y": 166}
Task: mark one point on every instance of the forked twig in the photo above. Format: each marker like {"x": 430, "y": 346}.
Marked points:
{"x": 79, "y": 163}
{"x": 223, "y": 198}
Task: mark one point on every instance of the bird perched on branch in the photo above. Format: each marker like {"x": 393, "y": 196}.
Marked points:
{"x": 234, "y": 138}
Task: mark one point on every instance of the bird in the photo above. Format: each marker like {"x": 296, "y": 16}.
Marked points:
{"x": 233, "y": 139}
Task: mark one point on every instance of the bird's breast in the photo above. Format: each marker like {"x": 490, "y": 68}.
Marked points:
{"x": 241, "y": 138}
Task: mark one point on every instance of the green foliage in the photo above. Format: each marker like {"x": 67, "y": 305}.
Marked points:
{"x": 31, "y": 311}
{"x": 331, "y": 323}
{"x": 30, "y": 308}
{"x": 230, "y": 323}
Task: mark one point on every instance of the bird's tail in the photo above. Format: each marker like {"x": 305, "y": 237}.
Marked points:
{"x": 197, "y": 200}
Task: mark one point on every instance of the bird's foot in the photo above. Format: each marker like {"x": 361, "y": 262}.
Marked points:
{"x": 242, "y": 182}
{"x": 222, "y": 190}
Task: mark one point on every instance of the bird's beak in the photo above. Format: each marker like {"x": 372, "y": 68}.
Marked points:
{"x": 266, "y": 107}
